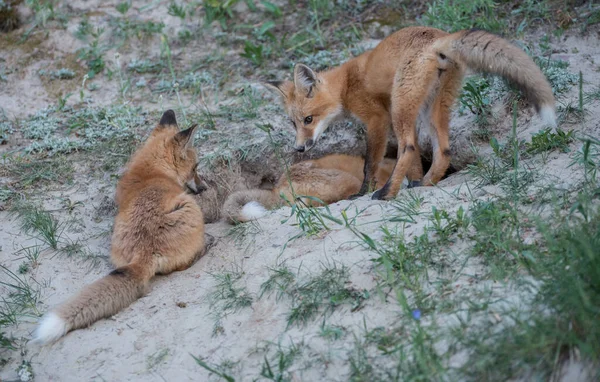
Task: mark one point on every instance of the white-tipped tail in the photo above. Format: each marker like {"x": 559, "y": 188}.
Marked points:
{"x": 253, "y": 210}
{"x": 548, "y": 115}
{"x": 51, "y": 328}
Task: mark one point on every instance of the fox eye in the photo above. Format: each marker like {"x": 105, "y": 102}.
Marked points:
{"x": 293, "y": 122}
{"x": 308, "y": 120}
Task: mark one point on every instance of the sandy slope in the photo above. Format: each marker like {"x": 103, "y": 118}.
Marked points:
{"x": 154, "y": 339}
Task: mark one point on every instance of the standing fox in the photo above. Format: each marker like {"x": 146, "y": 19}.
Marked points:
{"x": 330, "y": 179}
{"x": 159, "y": 229}
{"x": 413, "y": 75}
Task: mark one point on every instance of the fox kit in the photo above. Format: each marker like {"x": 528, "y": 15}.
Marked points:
{"x": 413, "y": 75}
{"x": 330, "y": 179}
{"x": 159, "y": 229}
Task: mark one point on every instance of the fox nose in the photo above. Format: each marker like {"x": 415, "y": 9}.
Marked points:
{"x": 299, "y": 148}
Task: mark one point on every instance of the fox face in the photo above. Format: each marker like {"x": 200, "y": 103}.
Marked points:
{"x": 309, "y": 105}
{"x": 179, "y": 155}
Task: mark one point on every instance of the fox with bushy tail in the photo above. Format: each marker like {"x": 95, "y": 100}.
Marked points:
{"x": 411, "y": 78}
{"x": 328, "y": 180}
{"x": 159, "y": 229}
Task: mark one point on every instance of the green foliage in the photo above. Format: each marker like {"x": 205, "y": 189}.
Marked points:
{"x": 255, "y": 53}
{"x": 546, "y": 140}
{"x": 455, "y": 15}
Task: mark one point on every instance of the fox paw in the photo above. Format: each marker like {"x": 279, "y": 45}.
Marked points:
{"x": 379, "y": 195}
{"x": 414, "y": 183}
{"x": 209, "y": 241}
{"x": 355, "y": 196}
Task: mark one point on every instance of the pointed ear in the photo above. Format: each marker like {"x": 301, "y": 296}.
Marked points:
{"x": 281, "y": 88}
{"x": 167, "y": 119}
{"x": 185, "y": 138}
{"x": 305, "y": 79}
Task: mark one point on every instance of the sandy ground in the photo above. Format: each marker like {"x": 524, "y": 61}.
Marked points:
{"x": 154, "y": 339}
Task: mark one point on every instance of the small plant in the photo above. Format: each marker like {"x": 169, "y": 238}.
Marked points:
{"x": 546, "y": 140}
{"x": 255, "y": 53}
{"x": 39, "y": 223}
{"x": 218, "y": 10}
{"x": 455, "y": 15}
{"x": 93, "y": 54}
{"x": 226, "y": 297}
{"x": 280, "y": 279}
{"x": 323, "y": 293}
{"x": 283, "y": 359}
{"x": 176, "y": 10}
{"x": 123, "y": 7}
{"x": 215, "y": 369}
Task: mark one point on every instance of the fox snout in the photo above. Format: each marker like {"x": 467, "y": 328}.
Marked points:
{"x": 305, "y": 146}
{"x": 196, "y": 185}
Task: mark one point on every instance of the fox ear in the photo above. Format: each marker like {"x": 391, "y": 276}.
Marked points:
{"x": 281, "y": 88}
{"x": 167, "y": 119}
{"x": 185, "y": 138}
{"x": 305, "y": 79}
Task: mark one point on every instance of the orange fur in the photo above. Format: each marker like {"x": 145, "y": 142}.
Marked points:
{"x": 159, "y": 229}
{"x": 413, "y": 75}
{"x": 329, "y": 179}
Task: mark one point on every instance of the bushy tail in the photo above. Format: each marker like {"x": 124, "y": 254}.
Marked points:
{"x": 101, "y": 299}
{"x": 488, "y": 53}
{"x": 243, "y": 206}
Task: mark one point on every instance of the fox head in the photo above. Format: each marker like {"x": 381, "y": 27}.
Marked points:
{"x": 309, "y": 103}
{"x": 172, "y": 151}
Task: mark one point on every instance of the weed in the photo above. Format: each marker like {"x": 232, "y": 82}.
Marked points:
{"x": 39, "y": 223}
{"x": 332, "y": 332}
{"x": 476, "y": 98}
{"x": 278, "y": 368}
{"x": 455, "y": 15}
{"x": 93, "y": 54}
{"x": 546, "y": 140}
{"x": 144, "y": 66}
{"x": 176, "y": 10}
{"x": 60, "y": 74}
{"x": 323, "y": 293}
{"x": 408, "y": 207}
{"x": 240, "y": 232}
{"x": 31, "y": 256}
{"x": 123, "y": 7}
{"x": 227, "y": 298}
{"x": 215, "y": 369}
{"x": 218, "y": 10}
{"x": 20, "y": 300}
{"x": 255, "y": 53}
{"x": 280, "y": 279}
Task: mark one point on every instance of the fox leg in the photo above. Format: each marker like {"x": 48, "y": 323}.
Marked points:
{"x": 440, "y": 120}
{"x": 409, "y": 92}
{"x": 377, "y": 130}
{"x": 415, "y": 172}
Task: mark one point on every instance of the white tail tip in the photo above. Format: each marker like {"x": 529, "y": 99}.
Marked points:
{"x": 51, "y": 328}
{"x": 252, "y": 210}
{"x": 548, "y": 115}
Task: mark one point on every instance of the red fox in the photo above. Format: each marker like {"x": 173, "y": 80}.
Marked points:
{"x": 412, "y": 75}
{"x": 330, "y": 179}
{"x": 158, "y": 229}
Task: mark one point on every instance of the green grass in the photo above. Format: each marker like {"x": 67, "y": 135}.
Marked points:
{"x": 455, "y": 15}
{"x": 226, "y": 297}
{"x": 40, "y": 224}
{"x": 322, "y": 294}
{"x": 29, "y": 172}
{"x": 546, "y": 140}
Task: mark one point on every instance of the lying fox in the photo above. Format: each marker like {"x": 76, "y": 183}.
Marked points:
{"x": 159, "y": 229}
{"x": 330, "y": 179}
{"x": 413, "y": 75}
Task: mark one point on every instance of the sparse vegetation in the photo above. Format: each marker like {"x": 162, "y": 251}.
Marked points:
{"x": 492, "y": 275}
